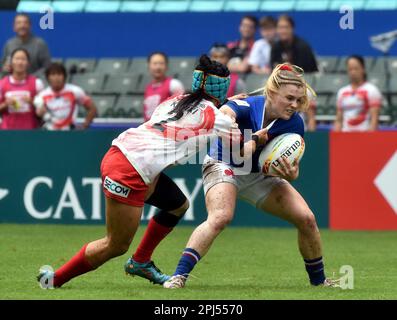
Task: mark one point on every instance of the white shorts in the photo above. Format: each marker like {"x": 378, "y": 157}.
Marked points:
{"x": 253, "y": 188}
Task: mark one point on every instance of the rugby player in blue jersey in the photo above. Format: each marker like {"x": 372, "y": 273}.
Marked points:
{"x": 285, "y": 94}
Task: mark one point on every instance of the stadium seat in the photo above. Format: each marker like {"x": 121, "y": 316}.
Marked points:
{"x": 355, "y": 4}
{"x": 102, "y": 6}
{"x": 311, "y": 5}
{"x": 186, "y": 79}
{"x": 310, "y": 78}
{"x": 80, "y": 65}
{"x": 393, "y": 84}
{"x": 322, "y": 101}
{"x": 379, "y": 80}
{"x": 206, "y": 5}
{"x": 105, "y": 105}
{"x": 244, "y": 6}
{"x": 327, "y": 63}
{"x": 329, "y": 83}
{"x": 380, "y": 65}
{"x": 181, "y": 65}
{"x": 91, "y": 83}
{"x": 32, "y": 6}
{"x": 112, "y": 66}
{"x": 142, "y": 83}
{"x": 138, "y": 65}
{"x": 68, "y": 6}
{"x": 380, "y": 5}
{"x": 123, "y": 84}
{"x": 341, "y": 65}
{"x": 255, "y": 81}
{"x": 172, "y": 6}
{"x": 280, "y": 5}
{"x": 137, "y": 6}
{"x": 129, "y": 106}
{"x": 392, "y": 65}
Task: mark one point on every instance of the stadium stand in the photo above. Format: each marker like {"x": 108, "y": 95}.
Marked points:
{"x": 117, "y": 85}
{"x": 202, "y": 5}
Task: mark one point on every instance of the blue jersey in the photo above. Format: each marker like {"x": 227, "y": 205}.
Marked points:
{"x": 250, "y": 114}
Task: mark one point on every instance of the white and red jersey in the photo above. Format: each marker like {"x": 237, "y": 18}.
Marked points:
{"x": 21, "y": 115}
{"x": 62, "y": 105}
{"x": 355, "y": 105}
{"x": 164, "y": 141}
{"x": 157, "y": 92}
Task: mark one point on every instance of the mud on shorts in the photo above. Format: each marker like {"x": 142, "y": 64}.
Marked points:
{"x": 253, "y": 188}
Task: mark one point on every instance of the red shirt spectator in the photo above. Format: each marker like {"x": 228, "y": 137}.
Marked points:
{"x": 161, "y": 87}
{"x": 17, "y": 92}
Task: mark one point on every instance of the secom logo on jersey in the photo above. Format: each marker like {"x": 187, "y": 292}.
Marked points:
{"x": 116, "y": 188}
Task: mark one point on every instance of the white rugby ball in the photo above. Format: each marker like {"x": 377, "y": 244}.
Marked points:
{"x": 287, "y": 145}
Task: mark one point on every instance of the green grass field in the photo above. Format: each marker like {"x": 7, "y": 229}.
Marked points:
{"x": 244, "y": 263}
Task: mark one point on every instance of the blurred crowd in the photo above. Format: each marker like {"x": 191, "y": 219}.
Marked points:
{"x": 25, "y": 102}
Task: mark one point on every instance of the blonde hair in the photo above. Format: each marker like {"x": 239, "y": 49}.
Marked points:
{"x": 287, "y": 73}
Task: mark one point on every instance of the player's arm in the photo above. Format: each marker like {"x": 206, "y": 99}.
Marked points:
{"x": 39, "y": 106}
{"x": 91, "y": 109}
{"x": 258, "y": 138}
{"x": 375, "y": 103}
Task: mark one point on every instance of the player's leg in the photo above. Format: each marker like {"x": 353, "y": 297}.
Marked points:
{"x": 173, "y": 204}
{"x": 286, "y": 203}
{"x": 220, "y": 201}
{"x": 122, "y": 221}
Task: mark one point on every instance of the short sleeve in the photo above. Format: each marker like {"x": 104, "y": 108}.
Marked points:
{"x": 81, "y": 97}
{"x": 39, "y": 85}
{"x": 374, "y": 97}
{"x": 241, "y": 108}
{"x": 38, "y": 101}
{"x": 176, "y": 87}
{"x": 339, "y": 97}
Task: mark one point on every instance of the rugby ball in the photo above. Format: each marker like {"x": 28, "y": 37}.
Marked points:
{"x": 287, "y": 145}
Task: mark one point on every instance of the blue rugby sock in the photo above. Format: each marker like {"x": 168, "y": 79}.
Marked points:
{"x": 187, "y": 262}
{"x": 315, "y": 269}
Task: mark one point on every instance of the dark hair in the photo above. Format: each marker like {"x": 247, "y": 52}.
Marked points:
{"x": 191, "y": 100}
{"x": 360, "y": 60}
{"x": 158, "y": 53}
{"x": 253, "y": 19}
{"x": 21, "y": 14}
{"x": 288, "y": 18}
{"x": 20, "y": 49}
{"x": 56, "y": 67}
{"x": 268, "y": 22}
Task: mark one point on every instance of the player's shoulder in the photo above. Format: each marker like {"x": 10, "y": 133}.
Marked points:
{"x": 247, "y": 102}
{"x": 346, "y": 88}
{"x": 370, "y": 87}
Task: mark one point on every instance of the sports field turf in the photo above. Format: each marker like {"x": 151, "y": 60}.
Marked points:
{"x": 244, "y": 263}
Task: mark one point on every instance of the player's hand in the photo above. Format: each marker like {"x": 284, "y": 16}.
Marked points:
{"x": 238, "y": 96}
{"x": 263, "y": 137}
{"x": 287, "y": 170}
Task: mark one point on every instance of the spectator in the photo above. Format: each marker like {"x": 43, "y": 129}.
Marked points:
{"x": 291, "y": 48}
{"x": 221, "y": 54}
{"x": 359, "y": 102}
{"x": 259, "y": 58}
{"x": 161, "y": 87}
{"x": 39, "y": 54}
{"x": 58, "y": 104}
{"x": 17, "y": 92}
{"x": 240, "y": 49}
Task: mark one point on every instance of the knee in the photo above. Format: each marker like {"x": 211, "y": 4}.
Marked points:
{"x": 182, "y": 209}
{"x": 118, "y": 247}
{"x": 307, "y": 222}
{"x": 219, "y": 220}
